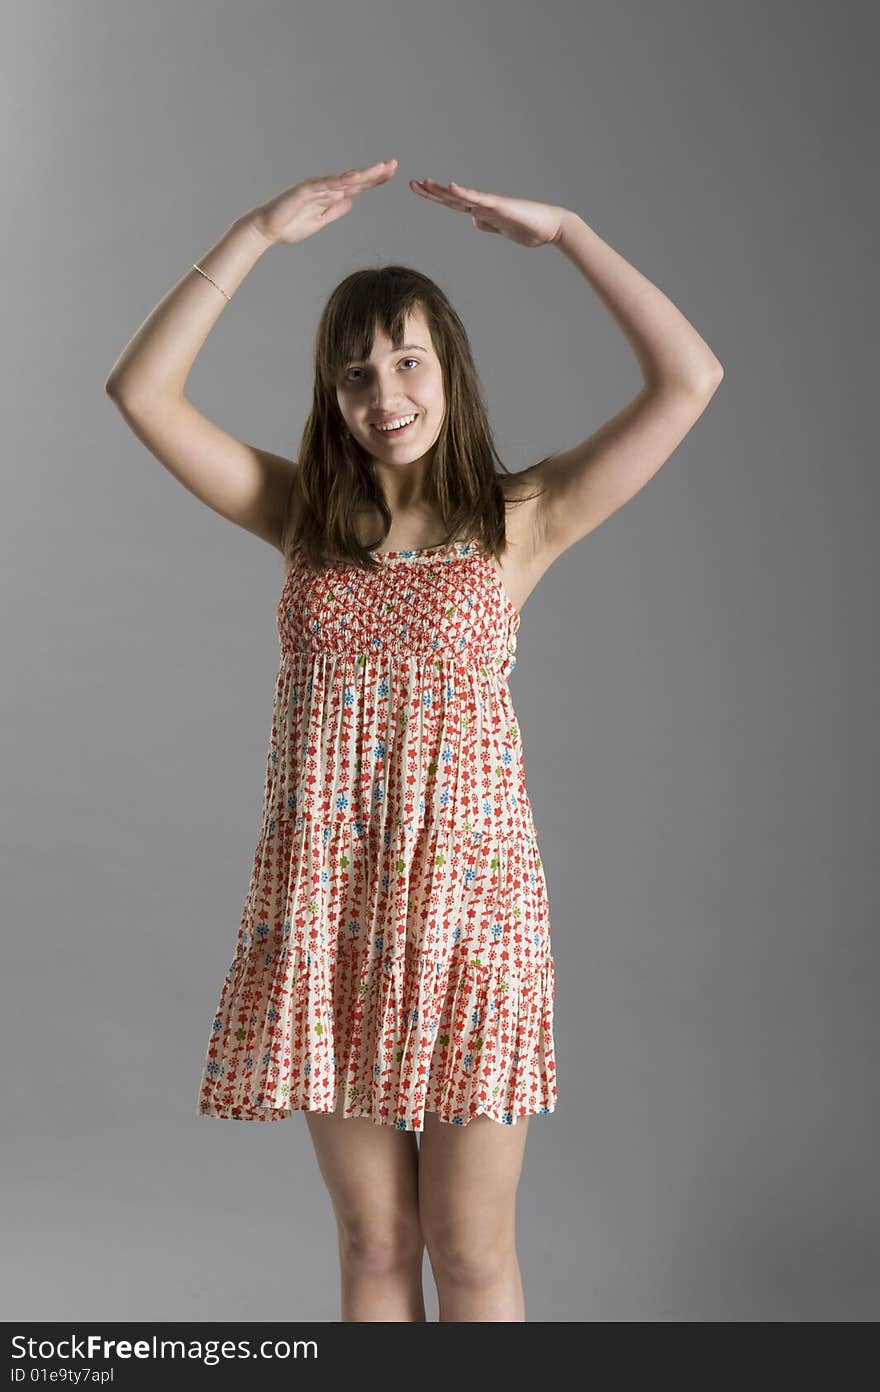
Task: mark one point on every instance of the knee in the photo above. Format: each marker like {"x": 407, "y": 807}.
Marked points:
{"x": 377, "y": 1248}
{"x": 472, "y": 1255}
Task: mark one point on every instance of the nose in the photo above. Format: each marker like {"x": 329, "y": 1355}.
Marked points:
{"x": 382, "y": 397}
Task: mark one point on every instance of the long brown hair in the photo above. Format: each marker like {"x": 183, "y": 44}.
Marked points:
{"x": 334, "y": 478}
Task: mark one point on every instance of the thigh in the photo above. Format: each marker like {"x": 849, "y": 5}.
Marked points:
{"x": 468, "y": 1175}
{"x": 371, "y": 1172}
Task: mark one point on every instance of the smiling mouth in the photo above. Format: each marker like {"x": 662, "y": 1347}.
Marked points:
{"x": 394, "y": 434}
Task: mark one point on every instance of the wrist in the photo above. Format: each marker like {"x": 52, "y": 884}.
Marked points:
{"x": 567, "y": 221}
{"x": 249, "y": 225}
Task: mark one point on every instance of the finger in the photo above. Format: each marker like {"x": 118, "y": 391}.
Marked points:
{"x": 470, "y": 195}
{"x": 456, "y": 196}
{"x": 439, "y": 195}
{"x": 357, "y": 180}
{"x": 445, "y": 189}
{"x": 434, "y": 197}
{"x": 368, "y": 171}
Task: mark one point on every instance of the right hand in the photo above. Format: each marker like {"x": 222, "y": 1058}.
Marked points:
{"x": 305, "y": 208}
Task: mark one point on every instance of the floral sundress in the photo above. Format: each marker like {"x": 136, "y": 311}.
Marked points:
{"x": 393, "y": 956}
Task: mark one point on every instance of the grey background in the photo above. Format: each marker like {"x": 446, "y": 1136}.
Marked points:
{"x": 696, "y": 681}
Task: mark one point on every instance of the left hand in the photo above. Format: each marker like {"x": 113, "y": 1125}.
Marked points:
{"x": 530, "y": 224}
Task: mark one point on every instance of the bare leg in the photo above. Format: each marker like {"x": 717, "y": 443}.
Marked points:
{"x": 371, "y": 1174}
{"x": 468, "y": 1177}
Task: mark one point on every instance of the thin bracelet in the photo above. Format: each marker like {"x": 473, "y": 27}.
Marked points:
{"x": 213, "y": 282}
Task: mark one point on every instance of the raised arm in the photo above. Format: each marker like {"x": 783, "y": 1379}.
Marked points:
{"x": 159, "y": 358}
{"x": 586, "y": 484}
{"x": 246, "y": 485}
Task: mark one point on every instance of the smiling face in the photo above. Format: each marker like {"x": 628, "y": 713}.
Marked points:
{"x": 394, "y": 383}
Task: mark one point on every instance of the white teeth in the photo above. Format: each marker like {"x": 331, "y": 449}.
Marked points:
{"x": 395, "y": 424}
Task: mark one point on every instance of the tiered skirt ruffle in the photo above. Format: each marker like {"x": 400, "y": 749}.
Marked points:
{"x": 430, "y": 992}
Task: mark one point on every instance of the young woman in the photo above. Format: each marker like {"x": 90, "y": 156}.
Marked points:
{"x": 393, "y": 976}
